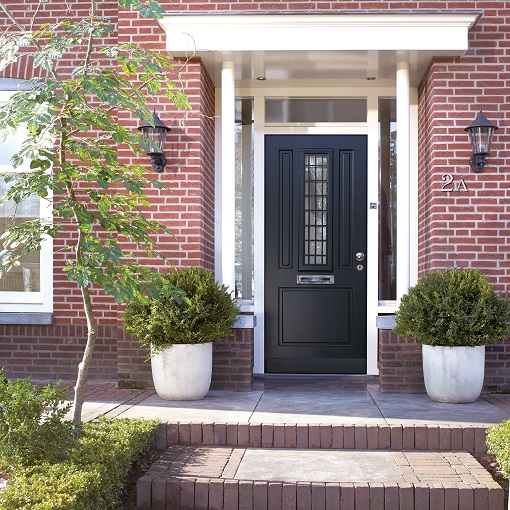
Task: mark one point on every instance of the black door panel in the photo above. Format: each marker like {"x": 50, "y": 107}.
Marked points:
{"x": 315, "y": 223}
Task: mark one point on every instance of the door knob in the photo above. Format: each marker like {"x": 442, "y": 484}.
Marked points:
{"x": 360, "y": 256}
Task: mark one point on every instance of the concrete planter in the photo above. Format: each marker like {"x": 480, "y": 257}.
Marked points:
{"x": 453, "y": 374}
{"x": 183, "y": 371}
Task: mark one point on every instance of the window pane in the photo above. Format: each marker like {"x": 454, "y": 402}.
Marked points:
{"x": 26, "y": 276}
{"x": 10, "y": 144}
{"x": 244, "y": 198}
{"x": 296, "y": 109}
{"x": 387, "y": 199}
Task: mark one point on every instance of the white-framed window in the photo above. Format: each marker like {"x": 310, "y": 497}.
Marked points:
{"x": 27, "y": 288}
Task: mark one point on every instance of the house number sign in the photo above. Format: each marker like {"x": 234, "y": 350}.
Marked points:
{"x": 451, "y": 184}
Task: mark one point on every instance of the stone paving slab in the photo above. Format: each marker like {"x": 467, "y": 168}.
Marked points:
{"x": 216, "y": 406}
{"x": 291, "y": 465}
{"x": 307, "y": 465}
{"x": 419, "y": 409}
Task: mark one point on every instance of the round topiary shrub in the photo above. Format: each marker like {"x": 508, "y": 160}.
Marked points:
{"x": 208, "y": 312}
{"x": 454, "y": 307}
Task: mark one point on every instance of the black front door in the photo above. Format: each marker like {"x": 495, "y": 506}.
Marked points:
{"x": 315, "y": 254}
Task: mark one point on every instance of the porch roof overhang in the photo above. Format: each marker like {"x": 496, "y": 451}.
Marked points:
{"x": 284, "y": 47}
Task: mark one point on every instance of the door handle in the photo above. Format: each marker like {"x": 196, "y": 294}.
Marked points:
{"x": 360, "y": 256}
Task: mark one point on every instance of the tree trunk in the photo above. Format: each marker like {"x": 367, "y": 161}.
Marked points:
{"x": 83, "y": 367}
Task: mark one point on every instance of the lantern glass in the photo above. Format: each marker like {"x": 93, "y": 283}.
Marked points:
{"x": 481, "y": 139}
{"x": 157, "y": 137}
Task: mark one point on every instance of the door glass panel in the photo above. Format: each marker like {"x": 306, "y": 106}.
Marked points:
{"x": 306, "y": 109}
{"x": 316, "y": 209}
{"x": 387, "y": 199}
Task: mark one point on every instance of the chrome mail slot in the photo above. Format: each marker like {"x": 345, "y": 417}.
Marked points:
{"x": 315, "y": 279}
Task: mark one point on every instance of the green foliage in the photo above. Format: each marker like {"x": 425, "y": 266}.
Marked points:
{"x": 454, "y": 307}
{"x": 99, "y": 198}
{"x": 71, "y": 117}
{"x": 91, "y": 478}
{"x": 31, "y": 423}
{"x": 207, "y": 314}
{"x": 498, "y": 444}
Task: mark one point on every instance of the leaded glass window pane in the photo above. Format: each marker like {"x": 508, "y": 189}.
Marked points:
{"x": 316, "y": 200}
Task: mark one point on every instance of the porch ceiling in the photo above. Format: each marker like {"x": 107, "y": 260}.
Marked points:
{"x": 329, "y": 47}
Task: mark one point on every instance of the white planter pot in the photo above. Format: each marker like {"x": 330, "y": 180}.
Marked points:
{"x": 183, "y": 371}
{"x": 453, "y": 374}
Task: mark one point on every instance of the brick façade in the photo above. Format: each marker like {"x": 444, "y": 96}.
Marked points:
{"x": 455, "y": 228}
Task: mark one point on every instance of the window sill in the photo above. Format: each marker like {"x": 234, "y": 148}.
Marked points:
{"x": 245, "y": 321}
{"x": 36, "y": 319}
{"x": 385, "y": 322}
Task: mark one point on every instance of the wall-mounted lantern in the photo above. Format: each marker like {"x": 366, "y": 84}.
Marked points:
{"x": 156, "y": 132}
{"x": 480, "y": 134}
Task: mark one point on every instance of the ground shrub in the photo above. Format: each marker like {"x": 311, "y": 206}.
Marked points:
{"x": 32, "y": 426}
{"x": 93, "y": 475}
{"x": 498, "y": 444}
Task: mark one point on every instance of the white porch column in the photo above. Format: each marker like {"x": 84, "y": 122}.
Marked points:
{"x": 227, "y": 249}
{"x": 403, "y": 174}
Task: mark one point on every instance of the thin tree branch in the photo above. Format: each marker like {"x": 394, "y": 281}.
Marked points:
{"x": 35, "y": 16}
{"x": 34, "y": 42}
{"x": 88, "y": 52}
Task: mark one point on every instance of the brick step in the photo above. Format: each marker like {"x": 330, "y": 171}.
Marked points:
{"x": 360, "y": 437}
{"x": 227, "y": 478}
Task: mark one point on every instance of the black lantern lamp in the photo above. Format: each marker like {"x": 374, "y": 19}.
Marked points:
{"x": 156, "y": 132}
{"x": 480, "y": 134}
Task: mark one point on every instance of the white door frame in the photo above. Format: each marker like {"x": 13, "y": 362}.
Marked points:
{"x": 370, "y": 128}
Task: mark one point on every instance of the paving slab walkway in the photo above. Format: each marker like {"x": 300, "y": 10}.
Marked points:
{"x": 312, "y": 443}
{"x": 340, "y": 400}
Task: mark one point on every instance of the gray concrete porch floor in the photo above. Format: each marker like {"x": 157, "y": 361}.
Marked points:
{"x": 302, "y": 400}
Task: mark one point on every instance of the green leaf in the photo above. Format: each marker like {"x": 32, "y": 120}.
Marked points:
{"x": 104, "y": 206}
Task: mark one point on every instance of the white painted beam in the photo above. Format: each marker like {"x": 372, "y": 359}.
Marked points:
{"x": 336, "y": 32}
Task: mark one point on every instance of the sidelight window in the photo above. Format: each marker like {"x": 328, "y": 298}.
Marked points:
{"x": 387, "y": 199}
{"x": 244, "y": 199}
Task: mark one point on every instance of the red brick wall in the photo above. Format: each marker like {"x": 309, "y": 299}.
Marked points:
{"x": 466, "y": 228}
{"x": 233, "y": 362}
{"x": 48, "y": 353}
{"x": 455, "y": 228}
